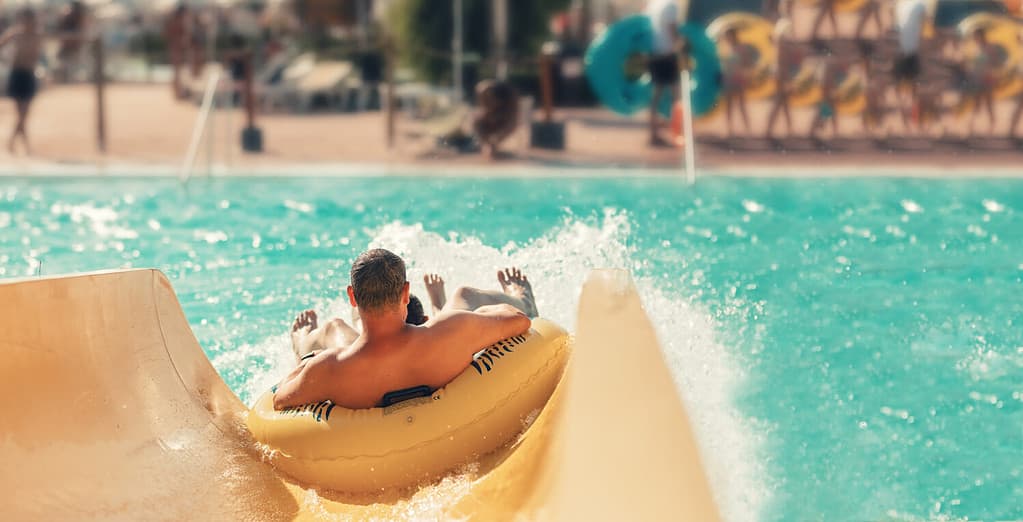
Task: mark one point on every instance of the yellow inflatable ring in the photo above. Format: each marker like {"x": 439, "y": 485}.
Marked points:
{"x": 804, "y": 88}
{"x": 850, "y": 96}
{"x": 1004, "y": 33}
{"x": 757, "y": 32}
{"x": 419, "y": 439}
{"x": 841, "y": 6}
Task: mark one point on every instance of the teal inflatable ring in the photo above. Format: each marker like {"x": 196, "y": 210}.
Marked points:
{"x": 608, "y": 54}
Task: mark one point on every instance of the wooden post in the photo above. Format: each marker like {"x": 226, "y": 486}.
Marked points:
{"x": 250, "y": 96}
{"x": 546, "y": 86}
{"x": 100, "y": 80}
{"x": 252, "y": 136}
{"x": 389, "y": 59}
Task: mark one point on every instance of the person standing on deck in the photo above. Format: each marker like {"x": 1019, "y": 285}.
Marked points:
{"x": 788, "y": 61}
{"x": 909, "y": 21}
{"x": 175, "y": 33}
{"x": 22, "y": 85}
{"x": 663, "y": 64}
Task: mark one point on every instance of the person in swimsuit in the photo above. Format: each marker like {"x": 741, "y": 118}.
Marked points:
{"x": 21, "y": 85}
{"x": 175, "y": 33}
{"x": 390, "y": 354}
{"x": 663, "y": 63}
{"x": 828, "y": 70}
{"x": 983, "y": 78}
{"x": 72, "y": 34}
{"x": 738, "y": 61}
{"x": 826, "y": 9}
{"x": 309, "y": 337}
{"x": 789, "y": 60}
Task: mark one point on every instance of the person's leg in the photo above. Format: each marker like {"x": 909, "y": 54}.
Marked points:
{"x": 818, "y": 21}
{"x": 303, "y": 342}
{"x": 788, "y": 115}
{"x": 772, "y": 116}
{"x": 989, "y": 103}
{"x": 309, "y": 337}
{"x": 435, "y": 289}
{"x": 729, "y": 107}
{"x": 743, "y": 113}
{"x": 517, "y": 292}
{"x": 21, "y": 108}
{"x": 654, "y": 136}
{"x": 1016, "y": 114}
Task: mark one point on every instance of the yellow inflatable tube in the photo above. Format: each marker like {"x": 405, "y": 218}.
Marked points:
{"x": 419, "y": 439}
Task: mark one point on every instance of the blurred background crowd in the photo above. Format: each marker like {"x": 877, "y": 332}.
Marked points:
{"x": 794, "y": 74}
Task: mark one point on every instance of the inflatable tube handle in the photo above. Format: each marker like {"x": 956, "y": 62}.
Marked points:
{"x": 415, "y": 392}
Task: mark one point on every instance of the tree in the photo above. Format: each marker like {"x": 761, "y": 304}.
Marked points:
{"x": 423, "y": 30}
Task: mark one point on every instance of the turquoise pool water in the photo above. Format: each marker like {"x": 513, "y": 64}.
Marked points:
{"x": 850, "y": 349}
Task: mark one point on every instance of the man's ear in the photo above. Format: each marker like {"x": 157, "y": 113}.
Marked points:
{"x": 351, "y": 297}
{"x": 405, "y": 292}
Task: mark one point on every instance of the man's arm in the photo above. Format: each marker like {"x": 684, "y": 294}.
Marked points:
{"x": 301, "y": 386}
{"x": 8, "y": 36}
{"x": 457, "y": 335}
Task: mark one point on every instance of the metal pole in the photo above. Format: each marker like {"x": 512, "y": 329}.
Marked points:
{"x": 101, "y": 107}
{"x": 389, "y": 59}
{"x": 500, "y": 31}
{"x": 687, "y": 125}
{"x": 456, "y": 48}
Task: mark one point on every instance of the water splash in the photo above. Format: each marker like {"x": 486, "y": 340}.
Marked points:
{"x": 558, "y": 263}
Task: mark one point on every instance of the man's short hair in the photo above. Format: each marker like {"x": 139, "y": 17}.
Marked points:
{"x": 416, "y": 316}
{"x": 378, "y": 277}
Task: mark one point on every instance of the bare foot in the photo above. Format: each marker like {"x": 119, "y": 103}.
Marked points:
{"x": 514, "y": 283}
{"x": 435, "y": 289}
{"x": 304, "y": 324}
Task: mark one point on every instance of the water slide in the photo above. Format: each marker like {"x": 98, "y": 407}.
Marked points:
{"x": 111, "y": 411}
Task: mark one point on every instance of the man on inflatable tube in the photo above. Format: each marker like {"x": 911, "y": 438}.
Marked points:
{"x": 392, "y": 355}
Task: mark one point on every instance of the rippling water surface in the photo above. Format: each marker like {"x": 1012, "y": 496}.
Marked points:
{"x": 849, "y": 349}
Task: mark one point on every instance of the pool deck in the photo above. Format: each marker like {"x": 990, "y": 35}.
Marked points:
{"x": 148, "y": 132}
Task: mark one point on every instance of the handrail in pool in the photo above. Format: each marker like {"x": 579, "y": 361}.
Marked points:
{"x": 199, "y": 130}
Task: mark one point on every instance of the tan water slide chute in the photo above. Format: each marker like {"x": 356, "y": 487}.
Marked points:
{"x": 110, "y": 410}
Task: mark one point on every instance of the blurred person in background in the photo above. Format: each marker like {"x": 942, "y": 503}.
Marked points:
{"x": 197, "y": 34}
{"x": 1017, "y": 114}
{"x": 175, "y": 33}
{"x": 72, "y": 32}
{"x": 871, "y": 10}
{"x": 875, "y": 87}
{"x": 737, "y": 61}
{"x": 827, "y": 71}
{"x": 21, "y": 84}
{"x": 498, "y": 114}
{"x": 789, "y": 60}
{"x": 663, "y": 62}
{"x": 909, "y": 21}
{"x": 875, "y": 112}
{"x": 981, "y": 78}
{"x": 825, "y": 9}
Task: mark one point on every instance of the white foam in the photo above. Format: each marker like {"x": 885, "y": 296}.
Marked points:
{"x": 557, "y": 264}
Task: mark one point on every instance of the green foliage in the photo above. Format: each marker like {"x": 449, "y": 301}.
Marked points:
{"x": 423, "y": 30}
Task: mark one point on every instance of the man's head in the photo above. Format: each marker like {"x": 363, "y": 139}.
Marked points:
{"x": 27, "y": 17}
{"x": 378, "y": 282}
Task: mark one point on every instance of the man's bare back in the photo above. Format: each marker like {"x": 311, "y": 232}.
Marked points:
{"x": 391, "y": 355}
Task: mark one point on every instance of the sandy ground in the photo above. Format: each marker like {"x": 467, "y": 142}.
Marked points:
{"x": 147, "y": 128}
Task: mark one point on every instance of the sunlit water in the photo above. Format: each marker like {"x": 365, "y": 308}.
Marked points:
{"x": 849, "y": 349}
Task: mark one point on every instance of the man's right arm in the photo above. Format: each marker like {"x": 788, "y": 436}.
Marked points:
{"x": 457, "y": 335}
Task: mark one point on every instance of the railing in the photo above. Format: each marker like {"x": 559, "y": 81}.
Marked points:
{"x": 201, "y": 125}
{"x": 687, "y": 127}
